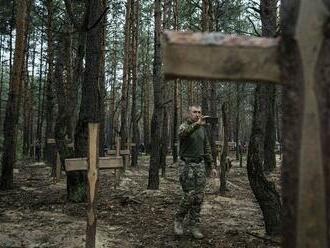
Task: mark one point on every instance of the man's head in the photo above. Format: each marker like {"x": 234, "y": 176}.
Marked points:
{"x": 195, "y": 112}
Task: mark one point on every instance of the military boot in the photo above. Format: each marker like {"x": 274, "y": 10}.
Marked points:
{"x": 196, "y": 233}
{"x": 178, "y": 227}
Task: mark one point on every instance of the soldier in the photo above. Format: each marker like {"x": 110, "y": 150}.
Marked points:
{"x": 195, "y": 160}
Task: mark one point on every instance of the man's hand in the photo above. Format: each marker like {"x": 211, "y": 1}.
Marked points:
{"x": 201, "y": 121}
{"x": 213, "y": 173}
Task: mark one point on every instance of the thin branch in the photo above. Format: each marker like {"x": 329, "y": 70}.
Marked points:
{"x": 254, "y": 27}
{"x": 255, "y": 9}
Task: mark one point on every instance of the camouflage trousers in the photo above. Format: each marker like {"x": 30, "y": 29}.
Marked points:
{"x": 193, "y": 181}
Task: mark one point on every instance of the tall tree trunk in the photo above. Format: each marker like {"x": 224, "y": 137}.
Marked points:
{"x": 49, "y": 102}
{"x": 268, "y": 13}
{"x": 113, "y": 95}
{"x": 175, "y": 138}
{"x": 60, "y": 86}
{"x": 65, "y": 90}
{"x": 39, "y": 128}
{"x": 237, "y": 121}
{"x": 223, "y": 159}
{"x": 164, "y": 142}
{"x": 31, "y": 104}
{"x": 15, "y": 85}
{"x": 11, "y": 38}
{"x": 26, "y": 99}
{"x": 90, "y": 107}
{"x": 135, "y": 135}
{"x": 270, "y": 138}
{"x": 146, "y": 97}
{"x": 103, "y": 25}
{"x": 126, "y": 73}
{"x": 205, "y": 27}
{"x": 264, "y": 191}
{"x": 1, "y": 82}
{"x": 157, "y": 117}
{"x": 165, "y": 96}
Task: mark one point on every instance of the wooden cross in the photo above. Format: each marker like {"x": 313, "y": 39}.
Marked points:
{"x": 124, "y": 153}
{"x": 299, "y": 60}
{"x": 218, "y": 145}
{"x": 92, "y": 164}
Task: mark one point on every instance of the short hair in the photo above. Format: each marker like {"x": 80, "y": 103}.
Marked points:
{"x": 195, "y": 106}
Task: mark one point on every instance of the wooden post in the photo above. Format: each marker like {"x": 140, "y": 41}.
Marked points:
{"x": 93, "y": 164}
{"x": 117, "y": 146}
{"x": 58, "y": 167}
{"x": 92, "y": 175}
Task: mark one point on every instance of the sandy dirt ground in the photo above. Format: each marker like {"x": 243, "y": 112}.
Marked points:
{"x": 36, "y": 214}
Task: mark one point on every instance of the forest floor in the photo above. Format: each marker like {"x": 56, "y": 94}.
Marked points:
{"x": 36, "y": 214}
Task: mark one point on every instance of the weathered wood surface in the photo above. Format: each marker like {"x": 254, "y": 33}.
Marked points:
{"x": 92, "y": 175}
{"x": 121, "y": 152}
{"x": 304, "y": 176}
{"x": 74, "y": 164}
{"x": 51, "y": 141}
{"x": 215, "y": 56}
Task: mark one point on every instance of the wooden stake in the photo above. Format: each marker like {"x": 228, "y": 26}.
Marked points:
{"x": 58, "y": 167}
{"x": 118, "y": 146}
{"x": 92, "y": 174}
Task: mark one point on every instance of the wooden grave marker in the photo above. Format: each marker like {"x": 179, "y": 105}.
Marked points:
{"x": 299, "y": 61}
{"x": 93, "y": 163}
{"x": 119, "y": 152}
{"x": 218, "y": 145}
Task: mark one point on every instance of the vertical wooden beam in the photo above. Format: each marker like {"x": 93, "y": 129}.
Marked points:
{"x": 92, "y": 175}
{"x": 118, "y": 146}
{"x": 58, "y": 167}
{"x": 311, "y": 226}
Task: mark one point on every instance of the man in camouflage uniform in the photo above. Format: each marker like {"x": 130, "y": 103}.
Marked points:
{"x": 196, "y": 159}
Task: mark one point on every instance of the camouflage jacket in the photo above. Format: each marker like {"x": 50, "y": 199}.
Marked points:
{"x": 194, "y": 142}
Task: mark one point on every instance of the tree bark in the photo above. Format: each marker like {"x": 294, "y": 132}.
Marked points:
{"x": 15, "y": 87}
{"x": 39, "y": 114}
{"x": 134, "y": 116}
{"x": 157, "y": 117}
{"x": 146, "y": 98}
{"x": 264, "y": 191}
{"x": 223, "y": 159}
{"x": 49, "y": 103}
{"x": 268, "y": 13}
{"x": 90, "y": 107}
{"x": 126, "y": 78}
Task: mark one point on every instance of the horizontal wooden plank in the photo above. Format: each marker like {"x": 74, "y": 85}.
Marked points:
{"x": 70, "y": 145}
{"x": 122, "y": 152}
{"x": 76, "y": 164}
{"x": 214, "y": 56}
{"x": 51, "y": 141}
